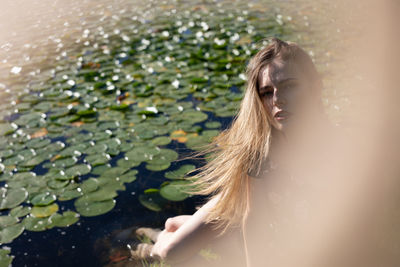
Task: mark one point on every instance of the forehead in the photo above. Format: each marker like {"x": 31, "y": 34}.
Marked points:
{"x": 277, "y": 71}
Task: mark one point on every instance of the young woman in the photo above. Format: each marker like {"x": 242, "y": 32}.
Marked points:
{"x": 283, "y": 91}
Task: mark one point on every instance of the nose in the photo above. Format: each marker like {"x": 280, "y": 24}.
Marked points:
{"x": 278, "y": 99}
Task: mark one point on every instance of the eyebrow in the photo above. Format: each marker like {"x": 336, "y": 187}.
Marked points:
{"x": 264, "y": 88}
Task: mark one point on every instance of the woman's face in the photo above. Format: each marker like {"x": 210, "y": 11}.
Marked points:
{"x": 284, "y": 92}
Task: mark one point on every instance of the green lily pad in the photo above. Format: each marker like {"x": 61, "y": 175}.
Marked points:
{"x": 104, "y": 193}
{"x": 43, "y": 199}
{"x": 194, "y": 116}
{"x": 158, "y": 167}
{"x": 174, "y": 191}
{"x": 44, "y": 211}
{"x": 152, "y": 200}
{"x": 98, "y": 159}
{"x": 127, "y": 163}
{"x": 7, "y": 221}
{"x": 57, "y": 184}
{"x": 12, "y": 197}
{"x": 95, "y": 149}
{"x": 89, "y": 209}
{"x": 36, "y": 224}
{"x": 8, "y": 234}
{"x": 5, "y": 258}
{"x": 164, "y": 157}
{"x": 66, "y": 219}
{"x": 98, "y": 170}
{"x": 181, "y": 172}
{"x": 34, "y": 161}
{"x": 7, "y": 128}
{"x": 89, "y": 185}
{"x": 78, "y": 170}
{"x": 61, "y": 163}
{"x": 128, "y": 177}
{"x": 142, "y": 153}
{"x": 213, "y": 124}
{"x": 20, "y": 211}
{"x": 161, "y": 141}
{"x": 70, "y": 194}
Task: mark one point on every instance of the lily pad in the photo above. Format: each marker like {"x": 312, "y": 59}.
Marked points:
{"x": 78, "y": 170}
{"x": 213, "y": 124}
{"x": 44, "y": 211}
{"x": 161, "y": 141}
{"x": 181, "y": 172}
{"x": 43, "y": 199}
{"x": 20, "y": 211}
{"x": 90, "y": 209}
{"x": 98, "y": 159}
{"x": 7, "y": 221}
{"x": 101, "y": 194}
{"x": 158, "y": 167}
{"x": 5, "y": 258}
{"x": 36, "y": 224}
{"x": 66, "y": 219}
{"x": 12, "y": 197}
{"x": 128, "y": 177}
{"x": 194, "y": 116}
{"x": 152, "y": 200}
{"x": 8, "y": 234}
{"x": 89, "y": 185}
{"x": 174, "y": 191}
{"x": 70, "y": 194}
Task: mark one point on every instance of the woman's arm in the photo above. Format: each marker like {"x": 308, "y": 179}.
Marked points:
{"x": 175, "y": 245}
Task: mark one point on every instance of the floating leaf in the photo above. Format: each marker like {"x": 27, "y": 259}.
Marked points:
{"x": 5, "y": 258}
{"x": 7, "y": 221}
{"x": 181, "y": 172}
{"x": 20, "y": 211}
{"x": 36, "y": 224}
{"x": 179, "y": 135}
{"x": 43, "y": 199}
{"x": 11, "y": 198}
{"x": 194, "y": 116}
{"x": 44, "y": 211}
{"x": 42, "y": 132}
{"x": 213, "y": 124}
{"x": 101, "y": 194}
{"x": 9, "y": 233}
{"x": 161, "y": 141}
{"x": 98, "y": 159}
{"x": 157, "y": 167}
{"x": 89, "y": 185}
{"x": 89, "y": 209}
{"x": 66, "y": 219}
{"x": 174, "y": 191}
{"x": 78, "y": 170}
{"x": 152, "y": 200}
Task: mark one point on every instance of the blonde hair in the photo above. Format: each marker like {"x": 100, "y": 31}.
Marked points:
{"x": 243, "y": 147}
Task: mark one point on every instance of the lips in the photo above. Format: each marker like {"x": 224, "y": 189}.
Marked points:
{"x": 281, "y": 115}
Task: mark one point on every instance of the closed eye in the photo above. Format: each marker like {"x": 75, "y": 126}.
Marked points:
{"x": 266, "y": 91}
{"x": 267, "y": 94}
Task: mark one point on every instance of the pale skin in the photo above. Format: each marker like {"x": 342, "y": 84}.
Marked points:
{"x": 281, "y": 89}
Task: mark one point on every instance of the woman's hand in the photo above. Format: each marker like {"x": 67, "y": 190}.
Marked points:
{"x": 163, "y": 242}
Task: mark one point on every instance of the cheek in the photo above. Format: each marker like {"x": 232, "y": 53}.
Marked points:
{"x": 267, "y": 106}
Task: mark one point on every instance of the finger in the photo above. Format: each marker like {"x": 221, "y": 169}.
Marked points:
{"x": 172, "y": 224}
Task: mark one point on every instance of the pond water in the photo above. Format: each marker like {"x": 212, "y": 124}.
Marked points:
{"x": 100, "y": 100}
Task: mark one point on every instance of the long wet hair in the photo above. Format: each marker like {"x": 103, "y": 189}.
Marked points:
{"x": 242, "y": 148}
